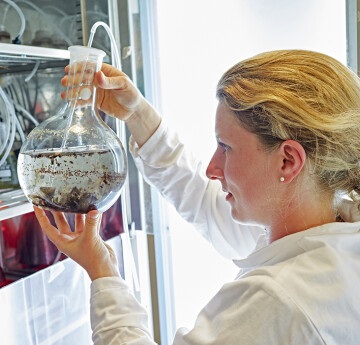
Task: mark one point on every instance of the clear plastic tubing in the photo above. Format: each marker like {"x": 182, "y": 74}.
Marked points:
{"x": 11, "y": 114}
{"x": 26, "y": 114}
{"x": 21, "y": 15}
{"x": 7, "y": 122}
{"x": 40, "y": 11}
{"x": 112, "y": 39}
{"x": 117, "y": 65}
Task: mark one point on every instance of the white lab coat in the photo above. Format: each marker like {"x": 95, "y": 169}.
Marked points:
{"x": 301, "y": 289}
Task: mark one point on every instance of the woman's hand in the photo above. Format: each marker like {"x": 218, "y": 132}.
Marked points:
{"x": 84, "y": 245}
{"x": 116, "y": 94}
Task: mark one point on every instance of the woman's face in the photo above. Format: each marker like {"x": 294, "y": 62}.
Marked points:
{"x": 248, "y": 174}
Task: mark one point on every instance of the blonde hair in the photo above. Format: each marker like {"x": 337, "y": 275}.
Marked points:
{"x": 304, "y": 96}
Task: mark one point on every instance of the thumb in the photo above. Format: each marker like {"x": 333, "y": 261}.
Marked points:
{"x": 92, "y": 222}
{"x": 111, "y": 83}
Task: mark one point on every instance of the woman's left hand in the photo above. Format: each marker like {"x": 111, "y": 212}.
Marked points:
{"x": 83, "y": 244}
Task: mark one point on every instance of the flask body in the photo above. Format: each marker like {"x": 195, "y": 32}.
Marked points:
{"x": 74, "y": 162}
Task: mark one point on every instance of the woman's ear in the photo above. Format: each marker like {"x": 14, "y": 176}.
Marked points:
{"x": 293, "y": 159}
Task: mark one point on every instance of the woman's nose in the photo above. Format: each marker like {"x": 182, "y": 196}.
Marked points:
{"x": 214, "y": 170}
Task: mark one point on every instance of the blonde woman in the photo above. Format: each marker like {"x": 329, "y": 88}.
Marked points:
{"x": 280, "y": 198}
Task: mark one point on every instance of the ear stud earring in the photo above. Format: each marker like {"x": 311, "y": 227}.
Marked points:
{"x": 282, "y": 179}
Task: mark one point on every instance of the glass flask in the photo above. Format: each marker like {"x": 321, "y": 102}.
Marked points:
{"x": 73, "y": 161}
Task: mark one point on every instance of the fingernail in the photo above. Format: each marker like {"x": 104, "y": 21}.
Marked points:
{"x": 93, "y": 214}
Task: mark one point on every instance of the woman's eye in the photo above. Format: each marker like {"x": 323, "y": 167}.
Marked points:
{"x": 223, "y": 147}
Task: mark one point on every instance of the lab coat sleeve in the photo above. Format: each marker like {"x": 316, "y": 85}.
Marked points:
{"x": 116, "y": 316}
{"x": 252, "y": 311}
{"x": 180, "y": 177}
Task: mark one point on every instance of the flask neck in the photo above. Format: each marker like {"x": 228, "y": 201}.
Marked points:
{"x": 84, "y": 63}
{"x": 81, "y": 96}
{"x": 80, "y": 90}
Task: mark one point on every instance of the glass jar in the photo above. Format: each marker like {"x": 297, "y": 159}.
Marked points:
{"x": 74, "y": 162}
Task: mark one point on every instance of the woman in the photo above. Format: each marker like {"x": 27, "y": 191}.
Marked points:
{"x": 287, "y": 128}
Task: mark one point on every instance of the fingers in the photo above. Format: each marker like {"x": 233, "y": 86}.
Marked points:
{"x": 119, "y": 82}
{"x": 79, "y": 222}
{"x": 81, "y": 95}
{"x": 42, "y": 217}
{"x": 80, "y": 77}
{"x": 61, "y": 222}
{"x": 80, "y": 72}
{"x": 92, "y": 223}
{"x": 50, "y": 231}
{"x": 111, "y": 71}
{"x": 64, "y": 81}
{"x": 78, "y": 81}
{"x": 76, "y": 84}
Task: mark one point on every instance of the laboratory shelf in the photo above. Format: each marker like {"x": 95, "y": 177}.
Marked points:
{"x": 13, "y": 203}
{"x": 20, "y": 58}
{"x": 14, "y": 58}
{"x": 18, "y": 53}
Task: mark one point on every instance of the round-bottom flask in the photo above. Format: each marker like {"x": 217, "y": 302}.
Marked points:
{"x": 74, "y": 162}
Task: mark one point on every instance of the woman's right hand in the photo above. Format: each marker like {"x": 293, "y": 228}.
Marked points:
{"x": 116, "y": 94}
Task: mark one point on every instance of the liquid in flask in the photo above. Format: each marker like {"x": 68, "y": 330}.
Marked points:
{"x": 74, "y": 162}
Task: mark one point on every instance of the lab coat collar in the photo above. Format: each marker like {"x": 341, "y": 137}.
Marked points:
{"x": 296, "y": 244}
{"x": 286, "y": 247}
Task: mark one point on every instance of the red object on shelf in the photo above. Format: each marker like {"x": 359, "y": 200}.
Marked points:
{"x": 2, "y": 277}
{"x": 111, "y": 222}
{"x": 33, "y": 247}
{"x": 26, "y": 248}
{"x": 3, "y": 280}
{"x": 10, "y": 232}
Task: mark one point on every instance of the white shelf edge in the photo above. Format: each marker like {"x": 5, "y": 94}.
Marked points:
{"x": 22, "y": 206}
{"x": 17, "y": 210}
{"x": 32, "y": 51}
